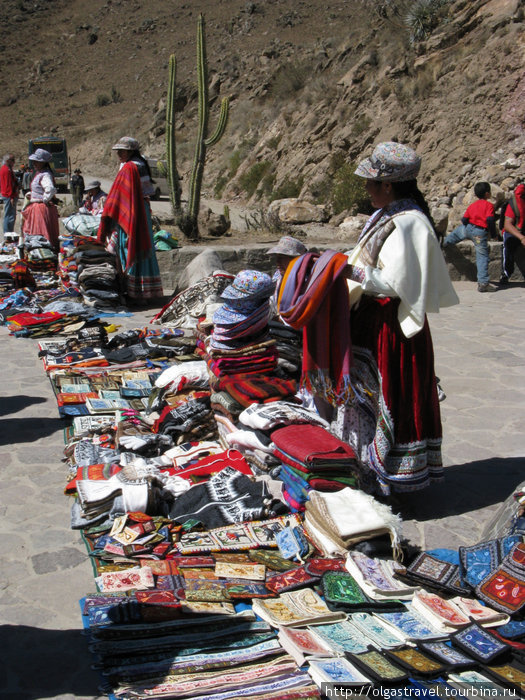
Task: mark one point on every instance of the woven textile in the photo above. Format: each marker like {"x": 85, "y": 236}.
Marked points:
{"x": 505, "y": 588}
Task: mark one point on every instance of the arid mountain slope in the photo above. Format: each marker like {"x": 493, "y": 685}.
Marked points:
{"x": 313, "y": 84}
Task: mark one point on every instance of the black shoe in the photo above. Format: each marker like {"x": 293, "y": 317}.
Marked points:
{"x": 503, "y": 281}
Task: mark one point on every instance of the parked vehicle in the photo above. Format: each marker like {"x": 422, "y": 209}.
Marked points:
{"x": 60, "y": 163}
{"x": 159, "y": 173}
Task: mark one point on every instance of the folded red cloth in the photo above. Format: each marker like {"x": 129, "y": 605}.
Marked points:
{"x": 308, "y": 443}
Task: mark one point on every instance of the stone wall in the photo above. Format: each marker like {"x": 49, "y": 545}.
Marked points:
{"x": 461, "y": 261}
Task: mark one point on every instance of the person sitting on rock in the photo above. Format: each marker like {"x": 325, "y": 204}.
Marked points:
{"x": 94, "y": 200}
{"x": 477, "y": 223}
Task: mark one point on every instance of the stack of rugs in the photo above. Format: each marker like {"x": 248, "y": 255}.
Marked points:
{"x": 40, "y": 255}
{"x": 97, "y": 276}
{"x": 241, "y": 356}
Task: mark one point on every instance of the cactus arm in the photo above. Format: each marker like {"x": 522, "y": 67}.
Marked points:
{"x": 221, "y": 124}
{"x": 171, "y": 153}
{"x": 203, "y": 115}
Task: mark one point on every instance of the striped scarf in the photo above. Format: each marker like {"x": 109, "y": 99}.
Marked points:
{"x": 313, "y": 296}
{"x": 125, "y": 206}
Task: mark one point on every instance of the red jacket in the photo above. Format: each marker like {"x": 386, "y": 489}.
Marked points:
{"x": 8, "y": 182}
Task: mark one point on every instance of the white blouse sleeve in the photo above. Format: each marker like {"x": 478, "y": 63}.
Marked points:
{"x": 49, "y": 189}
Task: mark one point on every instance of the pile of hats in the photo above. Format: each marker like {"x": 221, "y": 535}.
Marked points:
{"x": 241, "y": 355}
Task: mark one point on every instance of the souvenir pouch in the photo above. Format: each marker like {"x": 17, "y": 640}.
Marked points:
{"x": 510, "y": 675}
{"x": 375, "y": 631}
{"x": 287, "y": 581}
{"x": 447, "y": 654}
{"x": 271, "y": 559}
{"x": 515, "y": 629}
{"x": 415, "y": 661}
{"x": 431, "y": 571}
{"x": 232, "y": 557}
{"x": 157, "y": 597}
{"x": 480, "y": 560}
{"x": 201, "y": 573}
{"x": 479, "y": 643}
{"x": 409, "y": 625}
{"x": 318, "y": 565}
{"x": 292, "y": 543}
{"x": 194, "y": 562}
{"x": 504, "y": 589}
{"x": 469, "y": 680}
{"x": 172, "y": 582}
{"x": 206, "y": 591}
{"x": 302, "y": 640}
{"x": 164, "y": 567}
{"x": 337, "y": 671}
{"x": 378, "y": 667}
{"x": 251, "y": 572}
{"x": 444, "y": 612}
{"x": 341, "y": 590}
{"x": 341, "y": 637}
{"x": 240, "y": 590}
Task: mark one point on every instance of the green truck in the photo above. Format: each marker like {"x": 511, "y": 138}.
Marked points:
{"x": 60, "y": 163}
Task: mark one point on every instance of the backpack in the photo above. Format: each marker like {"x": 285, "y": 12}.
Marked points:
{"x": 514, "y": 205}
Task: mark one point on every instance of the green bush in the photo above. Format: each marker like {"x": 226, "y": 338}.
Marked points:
{"x": 250, "y": 179}
{"x": 103, "y": 100}
{"x": 220, "y": 184}
{"x": 424, "y": 16}
{"x": 288, "y": 188}
{"x": 361, "y": 124}
{"x": 348, "y": 190}
{"x": 235, "y": 161}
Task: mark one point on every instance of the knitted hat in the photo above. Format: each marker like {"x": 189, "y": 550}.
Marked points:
{"x": 390, "y": 162}
{"x": 288, "y": 246}
{"x": 41, "y": 156}
{"x": 126, "y": 143}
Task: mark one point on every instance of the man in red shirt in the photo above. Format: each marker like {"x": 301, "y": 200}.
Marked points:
{"x": 476, "y": 224}
{"x": 513, "y": 232}
{"x": 8, "y": 192}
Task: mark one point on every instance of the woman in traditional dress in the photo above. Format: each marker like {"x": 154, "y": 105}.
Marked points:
{"x": 40, "y": 216}
{"x": 384, "y": 386}
{"x": 126, "y": 221}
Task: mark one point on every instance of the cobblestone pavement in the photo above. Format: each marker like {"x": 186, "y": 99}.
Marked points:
{"x": 480, "y": 361}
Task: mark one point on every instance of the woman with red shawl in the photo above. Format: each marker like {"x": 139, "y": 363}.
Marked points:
{"x": 126, "y": 221}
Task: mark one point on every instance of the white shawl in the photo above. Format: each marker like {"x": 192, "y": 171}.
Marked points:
{"x": 411, "y": 265}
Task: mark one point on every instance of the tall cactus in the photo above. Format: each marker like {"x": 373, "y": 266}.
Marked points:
{"x": 171, "y": 152}
{"x": 187, "y": 220}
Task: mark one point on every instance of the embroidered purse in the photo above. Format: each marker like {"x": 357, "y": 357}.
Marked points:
{"x": 479, "y": 643}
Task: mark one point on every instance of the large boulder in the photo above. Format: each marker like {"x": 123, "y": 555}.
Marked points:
{"x": 203, "y": 265}
{"x": 212, "y": 224}
{"x": 297, "y": 211}
{"x": 440, "y": 216}
{"x": 351, "y": 227}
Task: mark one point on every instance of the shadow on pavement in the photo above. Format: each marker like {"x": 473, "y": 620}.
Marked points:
{"x": 41, "y": 663}
{"x": 465, "y": 488}
{"x": 13, "y": 404}
{"x": 13, "y": 430}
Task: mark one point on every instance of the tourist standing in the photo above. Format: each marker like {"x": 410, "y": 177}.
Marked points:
{"x": 9, "y": 192}
{"x": 513, "y": 232}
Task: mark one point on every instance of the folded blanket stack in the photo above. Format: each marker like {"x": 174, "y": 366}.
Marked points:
{"x": 313, "y": 458}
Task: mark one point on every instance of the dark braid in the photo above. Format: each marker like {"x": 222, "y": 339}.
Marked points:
{"x": 410, "y": 190}
{"x": 137, "y": 155}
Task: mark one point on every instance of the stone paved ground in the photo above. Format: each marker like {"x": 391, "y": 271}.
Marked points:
{"x": 481, "y": 363}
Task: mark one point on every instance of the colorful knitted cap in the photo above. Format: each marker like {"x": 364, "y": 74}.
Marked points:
{"x": 390, "y": 162}
{"x": 249, "y": 284}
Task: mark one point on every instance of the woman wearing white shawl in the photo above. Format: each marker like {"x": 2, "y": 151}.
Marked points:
{"x": 396, "y": 276}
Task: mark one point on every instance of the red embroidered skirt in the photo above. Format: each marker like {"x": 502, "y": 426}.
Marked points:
{"x": 394, "y": 423}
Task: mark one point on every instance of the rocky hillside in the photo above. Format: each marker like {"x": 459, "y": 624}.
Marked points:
{"x": 313, "y": 85}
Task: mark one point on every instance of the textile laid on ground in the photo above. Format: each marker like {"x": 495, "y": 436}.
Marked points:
{"x": 207, "y": 584}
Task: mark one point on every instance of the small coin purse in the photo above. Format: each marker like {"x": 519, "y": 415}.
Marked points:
{"x": 292, "y": 543}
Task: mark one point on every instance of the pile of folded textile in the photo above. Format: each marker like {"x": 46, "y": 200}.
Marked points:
{"x": 240, "y": 354}
{"x": 97, "y": 276}
{"x": 312, "y": 458}
{"x": 39, "y": 254}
